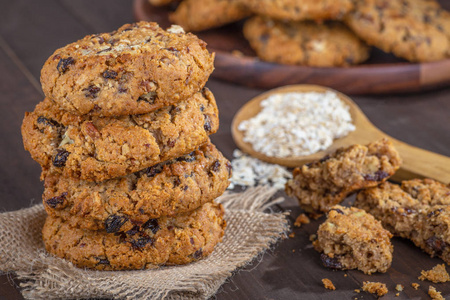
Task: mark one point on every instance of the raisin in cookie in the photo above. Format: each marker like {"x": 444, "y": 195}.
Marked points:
{"x": 417, "y": 30}
{"x": 99, "y": 148}
{"x": 167, "y": 189}
{"x": 417, "y": 210}
{"x": 350, "y": 238}
{"x": 165, "y": 241}
{"x": 304, "y": 43}
{"x": 197, "y": 15}
{"x": 137, "y": 69}
{"x": 294, "y": 10}
{"x": 326, "y": 182}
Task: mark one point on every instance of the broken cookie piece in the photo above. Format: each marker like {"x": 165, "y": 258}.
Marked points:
{"x": 350, "y": 238}
{"x": 326, "y": 182}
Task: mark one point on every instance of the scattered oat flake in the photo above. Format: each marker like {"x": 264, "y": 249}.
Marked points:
{"x": 301, "y": 219}
{"x": 328, "y": 284}
{"x": 292, "y": 234}
{"x": 436, "y": 275}
{"x": 415, "y": 285}
{"x": 434, "y": 294}
{"x": 297, "y": 124}
{"x": 399, "y": 287}
{"x": 250, "y": 171}
{"x": 375, "y": 288}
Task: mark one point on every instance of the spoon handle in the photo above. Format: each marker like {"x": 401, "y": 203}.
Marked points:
{"x": 419, "y": 163}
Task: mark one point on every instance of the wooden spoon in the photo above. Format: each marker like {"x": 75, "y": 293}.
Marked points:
{"x": 417, "y": 163}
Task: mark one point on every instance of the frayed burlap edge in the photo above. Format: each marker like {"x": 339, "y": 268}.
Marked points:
{"x": 250, "y": 231}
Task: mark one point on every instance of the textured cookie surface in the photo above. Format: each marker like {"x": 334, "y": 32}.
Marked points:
{"x": 418, "y": 210}
{"x": 137, "y": 69}
{"x": 196, "y": 15}
{"x": 164, "y": 241}
{"x": 304, "y": 43}
{"x": 294, "y": 10}
{"x": 323, "y": 183}
{"x": 417, "y": 30}
{"x": 350, "y": 238}
{"x": 99, "y": 148}
{"x": 167, "y": 189}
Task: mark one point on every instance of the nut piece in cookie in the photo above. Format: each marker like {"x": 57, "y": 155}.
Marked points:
{"x": 417, "y": 210}
{"x": 323, "y": 183}
{"x": 350, "y": 238}
{"x": 197, "y": 15}
{"x": 136, "y": 69}
{"x": 305, "y": 43}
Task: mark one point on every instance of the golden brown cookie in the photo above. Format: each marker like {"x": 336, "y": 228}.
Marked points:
{"x": 167, "y": 189}
{"x": 417, "y": 30}
{"x": 137, "y": 69}
{"x": 326, "y": 182}
{"x": 350, "y": 238}
{"x": 417, "y": 210}
{"x": 165, "y": 241}
{"x": 197, "y": 15}
{"x": 99, "y": 148}
{"x": 161, "y": 2}
{"x": 304, "y": 43}
{"x": 295, "y": 10}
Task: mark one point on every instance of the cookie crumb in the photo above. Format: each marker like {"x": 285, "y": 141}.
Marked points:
{"x": 328, "y": 284}
{"x": 399, "y": 287}
{"x": 293, "y": 250}
{"x": 313, "y": 237}
{"x": 357, "y": 291}
{"x": 415, "y": 285}
{"x": 292, "y": 234}
{"x": 434, "y": 294}
{"x": 397, "y": 295}
{"x": 345, "y": 275}
{"x": 301, "y": 219}
{"x": 375, "y": 288}
{"x": 437, "y": 274}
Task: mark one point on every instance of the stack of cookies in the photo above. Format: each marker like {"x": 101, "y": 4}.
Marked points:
{"x": 123, "y": 140}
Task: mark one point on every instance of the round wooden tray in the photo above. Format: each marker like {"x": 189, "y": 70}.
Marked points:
{"x": 237, "y": 63}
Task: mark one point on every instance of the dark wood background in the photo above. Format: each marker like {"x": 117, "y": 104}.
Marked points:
{"x": 29, "y": 33}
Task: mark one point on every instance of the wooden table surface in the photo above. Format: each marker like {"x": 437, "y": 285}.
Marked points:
{"x": 29, "y": 33}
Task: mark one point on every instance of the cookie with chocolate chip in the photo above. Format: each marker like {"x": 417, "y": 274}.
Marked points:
{"x": 178, "y": 240}
{"x": 417, "y": 30}
{"x": 136, "y": 69}
{"x": 304, "y": 43}
{"x": 116, "y": 205}
{"x": 99, "y": 148}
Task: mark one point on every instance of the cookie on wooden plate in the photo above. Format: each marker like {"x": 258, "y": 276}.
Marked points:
{"x": 295, "y": 10}
{"x": 165, "y": 241}
{"x": 116, "y": 205}
{"x": 417, "y": 30}
{"x": 137, "y": 69}
{"x": 99, "y": 148}
{"x": 197, "y": 15}
{"x": 304, "y": 43}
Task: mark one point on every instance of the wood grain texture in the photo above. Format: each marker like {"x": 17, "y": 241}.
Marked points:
{"x": 237, "y": 63}
{"x": 417, "y": 163}
{"x": 291, "y": 269}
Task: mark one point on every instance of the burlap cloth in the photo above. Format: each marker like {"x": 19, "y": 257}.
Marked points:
{"x": 250, "y": 231}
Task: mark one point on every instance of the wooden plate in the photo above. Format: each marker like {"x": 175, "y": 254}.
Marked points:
{"x": 237, "y": 63}
{"x": 416, "y": 162}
